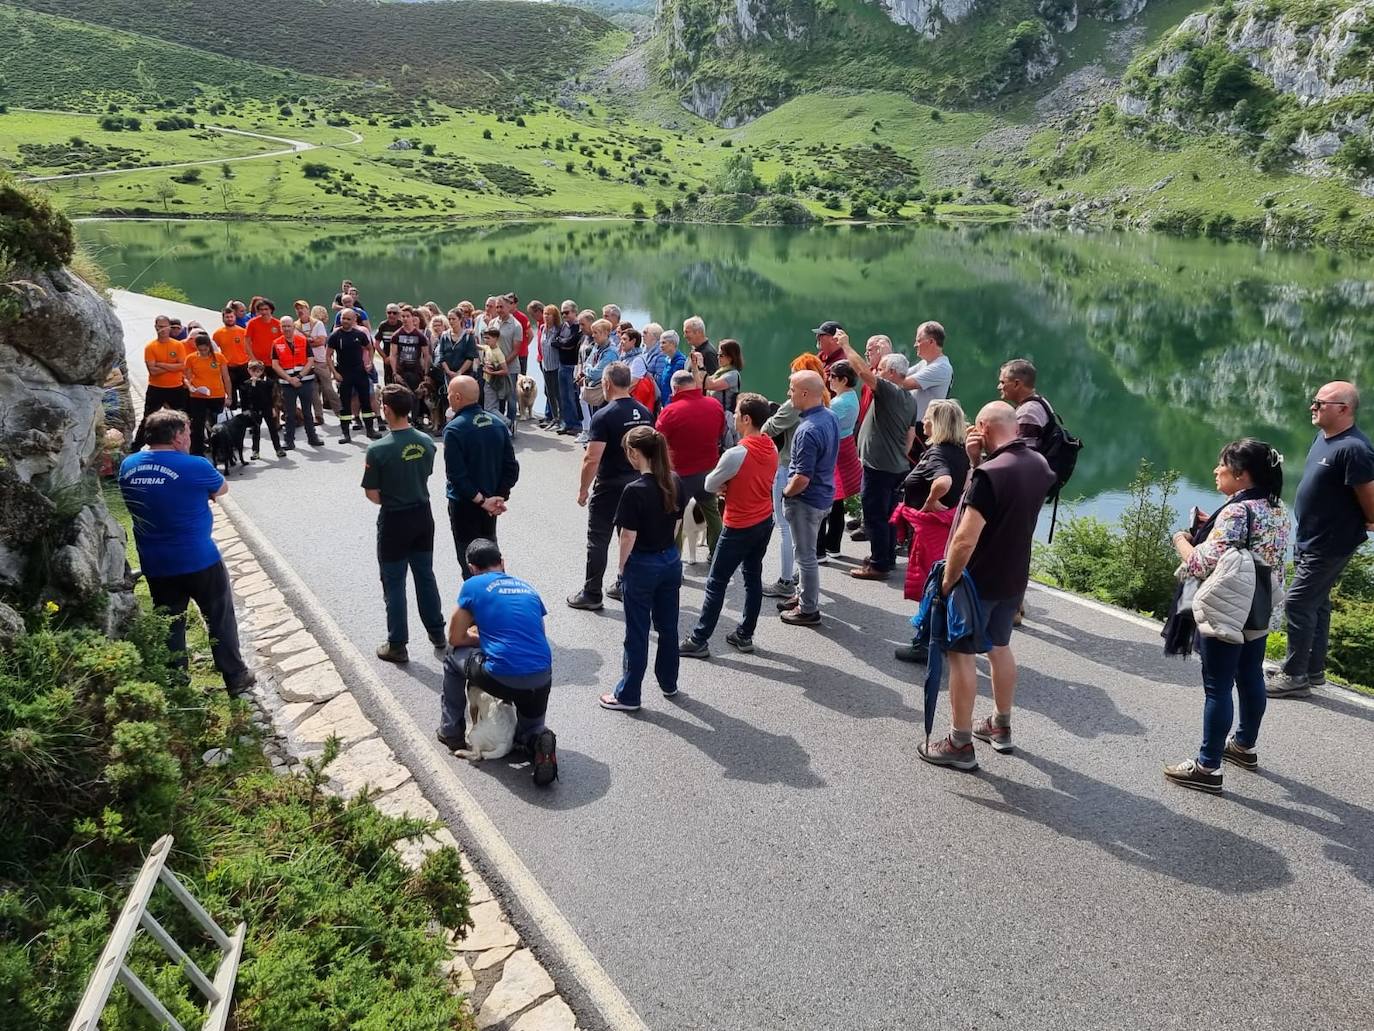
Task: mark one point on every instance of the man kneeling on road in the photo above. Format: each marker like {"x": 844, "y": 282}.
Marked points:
{"x": 992, "y": 540}
{"x": 497, "y": 634}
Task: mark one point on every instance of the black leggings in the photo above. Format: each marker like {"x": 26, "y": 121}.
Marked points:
{"x": 203, "y": 412}
{"x": 831, "y": 535}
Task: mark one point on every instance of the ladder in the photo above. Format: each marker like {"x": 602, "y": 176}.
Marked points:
{"x": 135, "y": 916}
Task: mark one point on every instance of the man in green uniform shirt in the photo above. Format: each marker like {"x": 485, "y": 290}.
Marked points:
{"x": 396, "y": 477}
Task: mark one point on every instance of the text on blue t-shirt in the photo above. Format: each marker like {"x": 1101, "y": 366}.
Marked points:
{"x": 168, "y": 494}
{"x": 510, "y": 621}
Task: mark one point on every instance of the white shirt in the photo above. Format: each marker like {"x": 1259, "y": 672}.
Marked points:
{"x": 933, "y": 379}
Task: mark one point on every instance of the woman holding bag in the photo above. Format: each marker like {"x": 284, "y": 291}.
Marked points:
{"x": 1250, "y": 474}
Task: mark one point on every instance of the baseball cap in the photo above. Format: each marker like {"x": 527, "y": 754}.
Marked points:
{"x": 827, "y": 328}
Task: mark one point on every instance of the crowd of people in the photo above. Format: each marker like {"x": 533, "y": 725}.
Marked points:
{"x": 671, "y": 439}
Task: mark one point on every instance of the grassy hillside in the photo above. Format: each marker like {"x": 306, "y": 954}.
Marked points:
{"x": 466, "y": 53}
{"x": 60, "y": 63}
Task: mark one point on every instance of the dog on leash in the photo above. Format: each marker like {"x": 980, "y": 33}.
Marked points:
{"x": 491, "y": 726}
{"x": 525, "y": 391}
{"x": 226, "y": 441}
{"x": 693, "y": 529}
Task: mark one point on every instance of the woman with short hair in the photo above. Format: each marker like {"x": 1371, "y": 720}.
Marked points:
{"x": 316, "y": 328}
{"x": 648, "y": 517}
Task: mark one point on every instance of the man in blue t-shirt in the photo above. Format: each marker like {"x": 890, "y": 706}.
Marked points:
{"x": 168, "y": 491}
{"x": 1333, "y": 510}
{"x": 497, "y": 634}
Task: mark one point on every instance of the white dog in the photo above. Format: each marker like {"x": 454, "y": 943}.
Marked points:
{"x": 491, "y": 726}
{"x": 693, "y": 529}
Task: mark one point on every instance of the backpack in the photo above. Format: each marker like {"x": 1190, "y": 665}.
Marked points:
{"x": 1060, "y": 449}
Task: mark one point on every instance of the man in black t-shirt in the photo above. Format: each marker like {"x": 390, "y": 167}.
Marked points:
{"x": 1333, "y": 510}
{"x": 350, "y": 353}
{"x": 992, "y": 540}
{"x": 605, "y": 472}
{"x": 381, "y": 337}
{"x": 409, "y": 351}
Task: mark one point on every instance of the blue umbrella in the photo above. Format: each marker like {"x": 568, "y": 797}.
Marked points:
{"x": 942, "y": 621}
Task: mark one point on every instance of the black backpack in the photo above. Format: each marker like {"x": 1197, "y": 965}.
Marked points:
{"x": 1060, "y": 449}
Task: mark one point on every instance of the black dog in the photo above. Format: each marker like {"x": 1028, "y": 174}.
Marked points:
{"x": 226, "y": 441}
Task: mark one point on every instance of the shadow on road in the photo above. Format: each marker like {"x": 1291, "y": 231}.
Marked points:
{"x": 743, "y": 751}
{"x": 1333, "y": 702}
{"x": 1135, "y": 658}
{"x": 1084, "y": 710}
{"x": 582, "y": 780}
{"x": 1348, "y": 828}
{"x": 1136, "y": 830}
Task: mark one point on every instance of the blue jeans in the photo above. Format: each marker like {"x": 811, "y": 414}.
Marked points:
{"x": 569, "y": 404}
{"x": 735, "y": 547}
{"x": 1225, "y": 666}
{"x": 512, "y": 398}
{"x": 1308, "y": 608}
{"x": 789, "y": 566}
{"x": 879, "y": 497}
{"x": 806, "y": 524}
{"x": 651, "y": 587}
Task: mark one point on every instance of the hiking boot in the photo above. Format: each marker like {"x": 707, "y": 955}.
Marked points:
{"x": 315, "y": 441}
{"x": 913, "y": 652}
{"x": 1189, "y": 774}
{"x": 345, "y": 437}
{"x": 796, "y": 617}
{"x": 787, "y": 604}
{"x": 389, "y": 652}
{"x": 545, "y": 762}
{"x": 1278, "y": 684}
{"x": 853, "y": 523}
{"x": 438, "y": 638}
{"x": 739, "y": 642}
{"x": 451, "y": 744}
{"x": 859, "y": 535}
{"x": 1316, "y": 680}
{"x": 946, "y": 753}
{"x": 691, "y": 648}
{"x": 583, "y": 600}
{"x": 1239, "y": 755}
{"x": 281, "y": 452}
{"x": 240, "y": 684}
{"x": 615, "y": 592}
{"x": 998, "y": 737}
{"x": 780, "y": 589}
{"x": 867, "y": 572}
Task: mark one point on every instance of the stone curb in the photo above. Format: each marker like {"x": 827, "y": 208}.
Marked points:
{"x": 301, "y": 701}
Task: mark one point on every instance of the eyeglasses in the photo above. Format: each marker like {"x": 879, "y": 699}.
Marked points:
{"x": 1318, "y": 403}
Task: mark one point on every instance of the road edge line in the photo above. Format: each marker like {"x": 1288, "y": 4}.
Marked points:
{"x": 554, "y": 928}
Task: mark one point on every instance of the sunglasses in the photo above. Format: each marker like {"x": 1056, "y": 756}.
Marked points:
{"x": 1318, "y": 403}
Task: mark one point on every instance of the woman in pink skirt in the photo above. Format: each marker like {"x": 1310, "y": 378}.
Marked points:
{"x": 849, "y": 472}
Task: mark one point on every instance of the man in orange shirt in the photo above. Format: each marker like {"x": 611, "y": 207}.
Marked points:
{"x": 231, "y": 340}
{"x": 166, "y": 361}
{"x": 263, "y": 329}
{"x": 207, "y": 381}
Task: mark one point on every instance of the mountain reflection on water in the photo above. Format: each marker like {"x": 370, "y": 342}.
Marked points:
{"x": 1150, "y": 347}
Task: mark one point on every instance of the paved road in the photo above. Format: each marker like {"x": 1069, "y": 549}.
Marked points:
{"x": 767, "y": 851}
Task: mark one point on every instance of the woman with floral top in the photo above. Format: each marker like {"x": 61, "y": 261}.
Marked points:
{"x": 1250, "y": 473}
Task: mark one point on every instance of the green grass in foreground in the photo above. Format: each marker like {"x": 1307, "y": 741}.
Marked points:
{"x": 100, "y": 744}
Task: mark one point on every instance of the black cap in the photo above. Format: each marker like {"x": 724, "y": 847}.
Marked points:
{"x": 827, "y": 328}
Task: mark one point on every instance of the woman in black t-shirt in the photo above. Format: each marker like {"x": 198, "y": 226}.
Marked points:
{"x": 650, "y": 566}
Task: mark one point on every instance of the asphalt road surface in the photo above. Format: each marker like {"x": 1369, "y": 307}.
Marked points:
{"x": 766, "y": 850}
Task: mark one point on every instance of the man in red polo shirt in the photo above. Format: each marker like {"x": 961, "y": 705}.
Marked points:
{"x": 527, "y": 331}
{"x": 828, "y": 348}
{"x": 693, "y": 424}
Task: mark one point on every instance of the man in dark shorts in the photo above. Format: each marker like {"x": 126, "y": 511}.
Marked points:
{"x": 605, "y": 472}
{"x": 350, "y": 355}
{"x": 396, "y": 477}
{"x": 992, "y": 540}
{"x": 499, "y": 645}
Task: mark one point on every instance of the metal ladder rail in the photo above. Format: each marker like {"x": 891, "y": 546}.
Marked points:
{"x": 111, "y": 967}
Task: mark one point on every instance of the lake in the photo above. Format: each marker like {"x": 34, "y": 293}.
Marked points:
{"x": 1150, "y": 347}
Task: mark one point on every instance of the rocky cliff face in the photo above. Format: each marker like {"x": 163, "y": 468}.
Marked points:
{"x": 58, "y": 543}
{"x": 731, "y": 60}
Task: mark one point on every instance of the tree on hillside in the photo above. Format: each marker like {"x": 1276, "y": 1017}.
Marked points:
{"x": 165, "y": 192}
{"x": 737, "y": 176}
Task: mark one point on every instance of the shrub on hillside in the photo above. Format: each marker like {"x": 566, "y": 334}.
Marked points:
{"x": 33, "y": 234}
{"x": 168, "y": 292}
{"x": 780, "y": 211}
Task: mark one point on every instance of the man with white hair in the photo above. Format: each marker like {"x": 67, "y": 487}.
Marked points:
{"x": 694, "y": 332}
{"x": 930, "y": 379}
{"x": 294, "y": 365}
{"x": 992, "y": 541}
{"x": 810, "y": 489}
{"x": 885, "y": 436}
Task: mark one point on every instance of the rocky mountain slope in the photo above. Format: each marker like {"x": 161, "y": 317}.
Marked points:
{"x": 731, "y": 60}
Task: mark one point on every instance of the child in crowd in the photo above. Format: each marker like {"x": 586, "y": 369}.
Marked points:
{"x": 256, "y": 398}
{"x": 494, "y": 371}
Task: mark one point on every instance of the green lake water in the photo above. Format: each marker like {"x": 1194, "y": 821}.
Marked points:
{"x": 1150, "y": 347}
